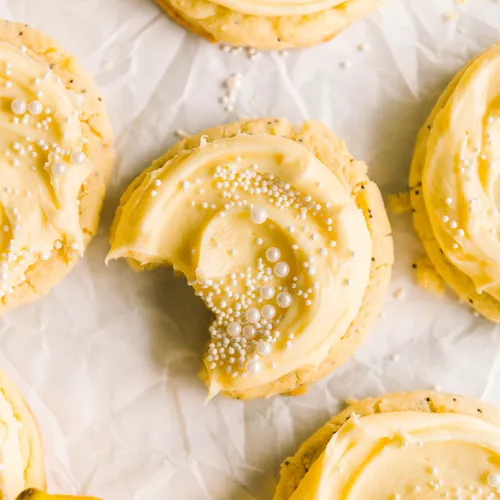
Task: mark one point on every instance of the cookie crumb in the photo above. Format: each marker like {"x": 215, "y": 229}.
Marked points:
{"x": 364, "y": 47}
{"x": 451, "y": 15}
{"x": 182, "y": 134}
{"x": 231, "y": 86}
{"x": 399, "y": 203}
{"x": 252, "y": 53}
{"x": 427, "y": 276}
{"x": 399, "y": 294}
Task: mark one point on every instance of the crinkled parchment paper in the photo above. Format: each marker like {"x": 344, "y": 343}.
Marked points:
{"x": 108, "y": 360}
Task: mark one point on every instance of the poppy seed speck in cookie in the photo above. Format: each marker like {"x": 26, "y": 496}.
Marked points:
{"x": 281, "y": 234}
{"x": 268, "y": 24}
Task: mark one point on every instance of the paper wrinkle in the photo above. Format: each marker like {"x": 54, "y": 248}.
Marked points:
{"x": 108, "y": 361}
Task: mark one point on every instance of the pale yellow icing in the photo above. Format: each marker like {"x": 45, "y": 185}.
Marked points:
{"x": 407, "y": 456}
{"x": 199, "y": 212}
{"x": 279, "y": 7}
{"x": 461, "y": 179}
{"x": 43, "y": 166}
{"x": 12, "y": 461}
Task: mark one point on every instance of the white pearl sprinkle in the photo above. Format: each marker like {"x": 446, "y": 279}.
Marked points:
{"x": 284, "y": 300}
{"x": 258, "y": 215}
{"x": 267, "y": 292}
{"x": 249, "y": 332}
{"x": 268, "y": 312}
{"x": 234, "y": 329}
{"x": 252, "y": 315}
{"x": 19, "y": 106}
{"x": 254, "y": 366}
{"x": 59, "y": 168}
{"x": 281, "y": 269}
{"x": 46, "y": 255}
{"x": 273, "y": 254}
{"x": 493, "y": 479}
{"x": 78, "y": 157}
{"x": 448, "y": 201}
{"x": 263, "y": 348}
{"x": 35, "y": 107}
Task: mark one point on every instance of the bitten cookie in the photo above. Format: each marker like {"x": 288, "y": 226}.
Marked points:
{"x": 55, "y": 160}
{"x": 21, "y": 451}
{"x": 454, "y": 184}
{"x": 268, "y": 24}
{"x": 399, "y": 446}
{"x": 281, "y": 234}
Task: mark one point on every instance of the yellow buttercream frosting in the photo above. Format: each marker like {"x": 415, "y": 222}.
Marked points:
{"x": 43, "y": 166}
{"x": 461, "y": 175}
{"x": 271, "y": 240}
{"x": 278, "y": 7}
{"x": 407, "y": 455}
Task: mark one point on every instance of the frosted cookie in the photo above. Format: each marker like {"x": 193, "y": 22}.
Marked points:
{"x": 268, "y": 24}
{"x": 32, "y": 494}
{"x": 454, "y": 185}
{"x": 21, "y": 455}
{"x": 400, "y": 446}
{"x": 281, "y": 234}
{"x": 55, "y": 157}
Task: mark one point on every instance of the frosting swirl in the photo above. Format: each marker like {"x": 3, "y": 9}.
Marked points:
{"x": 279, "y": 7}
{"x": 270, "y": 239}
{"x": 431, "y": 455}
{"x": 461, "y": 173}
{"x": 42, "y": 168}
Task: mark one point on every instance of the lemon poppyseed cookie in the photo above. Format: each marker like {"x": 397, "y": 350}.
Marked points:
{"x": 268, "y": 24}
{"x": 400, "y": 446}
{"x": 455, "y": 185}
{"x": 55, "y": 158}
{"x": 32, "y": 494}
{"x": 281, "y": 234}
{"x": 21, "y": 457}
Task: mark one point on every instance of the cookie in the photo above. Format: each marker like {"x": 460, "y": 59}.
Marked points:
{"x": 32, "y": 494}
{"x": 22, "y": 456}
{"x": 268, "y": 25}
{"x": 454, "y": 185}
{"x": 408, "y": 445}
{"x": 56, "y": 159}
{"x": 282, "y": 235}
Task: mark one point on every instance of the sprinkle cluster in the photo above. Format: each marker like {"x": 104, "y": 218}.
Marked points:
{"x": 32, "y": 151}
{"x": 468, "y": 492}
{"x": 467, "y": 167}
{"x": 250, "y": 304}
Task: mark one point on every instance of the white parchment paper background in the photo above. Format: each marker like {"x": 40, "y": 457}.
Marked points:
{"x": 108, "y": 360}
